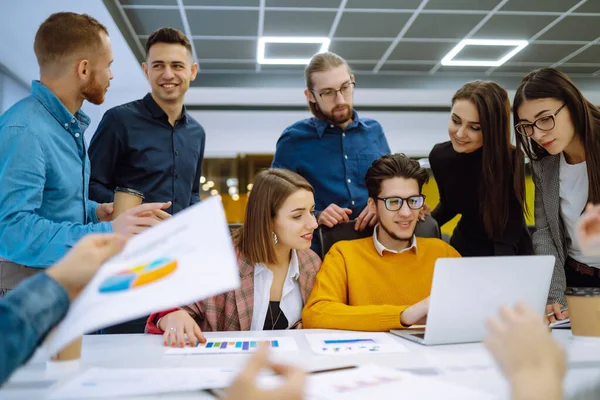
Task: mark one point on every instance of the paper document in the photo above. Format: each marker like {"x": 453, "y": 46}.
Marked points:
{"x": 353, "y": 343}
{"x": 116, "y": 383}
{"x": 226, "y": 345}
{"x": 563, "y": 324}
{"x": 186, "y": 258}
{"x": 376, "y": 382}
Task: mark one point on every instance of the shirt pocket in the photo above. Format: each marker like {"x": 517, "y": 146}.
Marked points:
{"x": 365, "y": 160}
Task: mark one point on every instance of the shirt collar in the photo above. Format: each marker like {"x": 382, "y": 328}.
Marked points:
{"x": 293, "y": 270}
{"x": 57, "y": 109}
{"x": 381, "y": 248}
{"x": 158, "y": 112}
{"x": 321, "y": 124}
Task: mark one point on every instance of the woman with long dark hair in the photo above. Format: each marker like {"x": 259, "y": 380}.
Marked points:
{"x": 480, "y": 175}
{"x": 559, "y": 129}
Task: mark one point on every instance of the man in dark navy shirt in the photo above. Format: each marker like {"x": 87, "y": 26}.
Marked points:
{"x": 334, "y": 149}
{"x": 153, "y": 145}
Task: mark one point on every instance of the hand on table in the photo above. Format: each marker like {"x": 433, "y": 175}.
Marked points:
{"x": 80, "y": 264}
{"x": 244, "y": 387}
{"x": 138, "y": 219}
{"x": 178, "y": 324}
{"x": 532, "y": 361}
{"x": 557, "y": 313}
{"x": 333, "y": 215}
{"x": 366, "y": 218}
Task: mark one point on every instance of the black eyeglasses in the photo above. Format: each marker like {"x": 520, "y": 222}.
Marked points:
{"x": 543, "y": 124}
{"x": 329, "y": 95}
{"x": 395, "y": 203}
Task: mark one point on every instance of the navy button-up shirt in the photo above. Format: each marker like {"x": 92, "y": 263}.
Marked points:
{"x": 136, "y": 147}
{"x": 333, "y": 160}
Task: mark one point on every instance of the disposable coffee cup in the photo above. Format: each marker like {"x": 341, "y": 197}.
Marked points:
{"x": 584, "y": 310}
{"x": 70, "y": 352}
{"x": 125, "y": 199}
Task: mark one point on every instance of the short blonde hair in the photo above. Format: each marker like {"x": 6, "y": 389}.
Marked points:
{"x": 319, "y": 63}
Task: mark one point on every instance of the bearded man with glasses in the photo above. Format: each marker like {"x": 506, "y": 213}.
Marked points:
{"x": 334, "y": 148}
{"x": 381, "y": 282}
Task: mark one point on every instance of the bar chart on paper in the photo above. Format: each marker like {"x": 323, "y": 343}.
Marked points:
{"x": 237, "y": 345}
{"x": 353, "y": 343}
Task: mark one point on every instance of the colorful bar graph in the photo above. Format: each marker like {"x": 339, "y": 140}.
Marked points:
{"x": 348, "y": 341}
{"x": 243, "y": 345}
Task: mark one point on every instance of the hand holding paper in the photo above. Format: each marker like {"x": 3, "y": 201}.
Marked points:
{"x": 184, "y": 259}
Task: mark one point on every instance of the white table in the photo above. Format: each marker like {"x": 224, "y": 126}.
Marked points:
{"x": 467, "y": 364}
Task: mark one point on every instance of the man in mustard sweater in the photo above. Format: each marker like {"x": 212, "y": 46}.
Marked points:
{"x": 381, "y": 282}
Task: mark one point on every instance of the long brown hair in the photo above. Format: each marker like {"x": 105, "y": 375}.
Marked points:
{"x": 549, "y": 83}
{"x": 271, "y": 189}
{"x": 319, "y": 63}
{"x": 502, "y": 166}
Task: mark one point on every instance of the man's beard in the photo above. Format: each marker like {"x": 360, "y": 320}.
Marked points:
{"x": 396, "y": 237}
{"x": 93, "y": 92}
{"x": 339, "y": 117}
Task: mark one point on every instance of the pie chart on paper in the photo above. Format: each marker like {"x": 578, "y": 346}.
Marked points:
{"x": 138, "y": 276}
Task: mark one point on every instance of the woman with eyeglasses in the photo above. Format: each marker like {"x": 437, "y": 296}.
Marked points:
{"x": 559, "y": 129}
{"x": 480, "y": 175}
{"x": 277, "y": 267}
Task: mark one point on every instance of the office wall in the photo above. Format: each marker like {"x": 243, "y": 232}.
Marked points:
{"x": 11, "y": 91}
{"x": 255, "y": 132}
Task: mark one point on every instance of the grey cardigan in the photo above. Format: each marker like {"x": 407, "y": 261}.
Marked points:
{"x": 549, "y": 237}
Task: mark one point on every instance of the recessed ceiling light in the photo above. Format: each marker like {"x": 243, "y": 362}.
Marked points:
{"x": 449, "y": 58}
{"x": 260, "y": 54}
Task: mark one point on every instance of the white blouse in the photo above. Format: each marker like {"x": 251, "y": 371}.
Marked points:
{"x": 573, "y": 198}
{"x": 291, "y": 298}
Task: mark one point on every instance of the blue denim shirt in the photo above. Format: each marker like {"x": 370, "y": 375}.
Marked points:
{"x": 333, "y": 160}
{"x": 27, "y": 314}
{"x": 44, "y": 178}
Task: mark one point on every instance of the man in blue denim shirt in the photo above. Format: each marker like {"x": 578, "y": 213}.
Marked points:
{"x": 44, "y": 167}
{"x": 334, "y": 149}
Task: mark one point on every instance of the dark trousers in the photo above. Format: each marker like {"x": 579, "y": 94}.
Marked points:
{"x": 581, "y": 275}
{"x": 12, "y": 274}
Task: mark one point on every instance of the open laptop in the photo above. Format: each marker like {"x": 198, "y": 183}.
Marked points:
{"x": 467, "y": 291}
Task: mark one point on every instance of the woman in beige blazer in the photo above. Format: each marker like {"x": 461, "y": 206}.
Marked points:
{"x": 559, "y": 130}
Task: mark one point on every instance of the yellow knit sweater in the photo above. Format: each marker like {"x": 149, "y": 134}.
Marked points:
{"x": 357, "y": 289}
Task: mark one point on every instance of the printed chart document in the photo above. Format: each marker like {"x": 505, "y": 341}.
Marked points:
{"x": 116, "y": 382}
{"x": 376, "y": 382}
{"x": 344, "y": 343}
{"x": 226, "y": 345}
{"x": 186, "y": 258}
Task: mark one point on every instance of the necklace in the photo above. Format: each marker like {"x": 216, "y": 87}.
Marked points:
{"x": 278, "y": 316}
